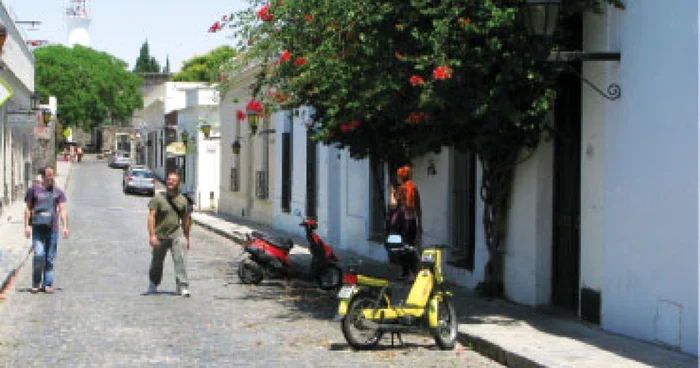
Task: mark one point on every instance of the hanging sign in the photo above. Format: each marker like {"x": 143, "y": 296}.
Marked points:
{"x": 5, "y": 92}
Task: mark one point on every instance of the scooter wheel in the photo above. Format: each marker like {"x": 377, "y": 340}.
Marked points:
{"x": 356, "y": 332}
{"x": 330, "y": 278}
{"x": 250, "y": 272}
{"x": 446, "y": 332}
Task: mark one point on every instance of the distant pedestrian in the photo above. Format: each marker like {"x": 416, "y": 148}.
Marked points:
{"x": 45, "y": 203}
{"x": 169, "y": 228}
{"x": 80, "y": 154}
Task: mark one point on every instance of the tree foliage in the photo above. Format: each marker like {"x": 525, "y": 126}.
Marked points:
{"x": 90, "y": 86}
{"x": 205, "y": 68}
{"x": 145, "y": 63}
{"x": 395, "y": 79}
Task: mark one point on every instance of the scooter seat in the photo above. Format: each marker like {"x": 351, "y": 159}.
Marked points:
{"x": 273, "y": 240}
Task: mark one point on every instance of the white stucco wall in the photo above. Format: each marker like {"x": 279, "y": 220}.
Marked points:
{"x": 649, "y": 268}
{"x": 528, "y": 247}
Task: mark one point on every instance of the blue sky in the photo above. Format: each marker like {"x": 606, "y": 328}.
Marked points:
{"x": 174, "y": 28}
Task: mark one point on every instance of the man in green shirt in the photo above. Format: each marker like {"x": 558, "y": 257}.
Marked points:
{"x": 169, "y": 228}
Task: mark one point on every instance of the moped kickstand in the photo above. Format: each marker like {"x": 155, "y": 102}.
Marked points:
{"x": 398, "y": 337}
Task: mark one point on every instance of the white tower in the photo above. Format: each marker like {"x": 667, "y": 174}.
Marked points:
{"x": 77, "y": 18}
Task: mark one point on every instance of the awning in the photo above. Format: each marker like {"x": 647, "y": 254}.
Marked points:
{"x": 176, "y": 149}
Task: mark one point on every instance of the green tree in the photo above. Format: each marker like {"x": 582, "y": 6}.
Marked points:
{"x": 145, "y": 63}
{"x": 395, "y": 79}
{"x": 90, "y": 86}
{"x": 166, "y": 68}
{"x": 205, "y": 68}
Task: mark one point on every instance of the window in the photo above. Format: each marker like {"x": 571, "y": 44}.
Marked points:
{"x": 233, "y": 183}
{"x": 377, "y": 183}
{"x": 261, "y": 184}
{"x": 463, "y": 210}
{"x": 286, "y": 172}
{"x": 311, "y": 174}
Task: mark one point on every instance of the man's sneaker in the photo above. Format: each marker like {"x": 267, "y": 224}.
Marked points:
{"x": 152, "y": 288}
{"x": 185, "y": 292}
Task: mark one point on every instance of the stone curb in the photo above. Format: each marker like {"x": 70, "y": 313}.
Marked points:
{"x": 496, "y": 352}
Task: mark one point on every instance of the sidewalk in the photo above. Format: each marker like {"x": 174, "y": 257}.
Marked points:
{"x": 513, "y": 335}
{"x": 14, "y": 247}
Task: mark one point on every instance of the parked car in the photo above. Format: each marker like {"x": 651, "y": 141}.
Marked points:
{"x": 119, "y": 159}
{"x": 139, "y": 179}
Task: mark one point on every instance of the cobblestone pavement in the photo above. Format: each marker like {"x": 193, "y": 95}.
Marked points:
{"x": 100, "y": 316}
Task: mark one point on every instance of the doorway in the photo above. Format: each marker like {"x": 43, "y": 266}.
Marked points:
{"x": 567, "y": 193}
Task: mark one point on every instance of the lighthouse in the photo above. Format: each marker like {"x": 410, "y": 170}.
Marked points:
{"x": 77, "y": 19}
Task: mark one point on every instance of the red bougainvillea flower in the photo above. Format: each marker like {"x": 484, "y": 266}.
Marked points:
{"x": 415, "y": 117}
{"x": 299, "y": 61}
{"x": 417, "y": 80}
{"x": 222, "y": 77}
{"x": 463, "y": 22}
{"x": 240, "y": 115}
{"x": 442, "y": 72}
{"x": 349, "y": 126}
{"x": 280, "y": 97}
{"x": 285, "y": 56}
{"x": 264, "y": 13}
{"x": 215, "y": 27}
{"x": 255, "y": 106}
{"x": 224, "y": 18}
{"x": 308, "y": 18}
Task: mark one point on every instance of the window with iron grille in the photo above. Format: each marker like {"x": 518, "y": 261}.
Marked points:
{"x": 311, "y": 177}
{"x": 233, "y": 184}
{"x": 377, "y": 195}
{"x": 261, "y": 184}
{"x": 286, "y": 172}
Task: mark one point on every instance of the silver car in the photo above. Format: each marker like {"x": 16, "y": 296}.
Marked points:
{"x": 139, "y": 180}
{"x": 119, "y": 159}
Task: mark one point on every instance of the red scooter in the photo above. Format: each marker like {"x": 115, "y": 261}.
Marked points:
{"x": 269, "y": 256}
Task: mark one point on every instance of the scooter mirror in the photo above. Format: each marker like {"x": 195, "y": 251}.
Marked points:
{"x": 297, "y": 212}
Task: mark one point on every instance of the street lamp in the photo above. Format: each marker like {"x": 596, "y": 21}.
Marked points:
{"x": 46, "y": 116}
{"x": 205, "y": 128}
{"x": 540, "y": 18}
{"x": 236, "y": 147}
{"x": 34, "y": 101}
{"x": 253, "y": 111}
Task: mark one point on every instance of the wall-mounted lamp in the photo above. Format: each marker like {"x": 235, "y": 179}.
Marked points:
{"x": 236, "y": 147}
{"x": 34, "y": 101}
{"x": 540, "y": 18}
{"x": 46, "y": 116}
{"x": 253, "y": 110}
{"x": 431, "y": 168}
{"x": 185, "y": 136}
{"x": 205, "y": 128}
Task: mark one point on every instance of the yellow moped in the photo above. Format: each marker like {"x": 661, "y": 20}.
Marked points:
{"x": 366, "y": 310}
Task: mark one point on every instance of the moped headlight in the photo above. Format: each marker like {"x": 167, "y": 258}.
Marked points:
{"x": 428, "y": 260}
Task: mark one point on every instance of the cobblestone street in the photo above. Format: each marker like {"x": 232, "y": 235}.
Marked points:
{"x": 100, "y": 316}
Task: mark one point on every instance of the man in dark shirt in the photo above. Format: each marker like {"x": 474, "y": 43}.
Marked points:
{"x": 45, "y": 236}
{"x": 169, "y": 228}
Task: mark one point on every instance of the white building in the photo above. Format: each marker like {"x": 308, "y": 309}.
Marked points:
{"x": 202, "y": 159}
{"x": 603, "y": 222}
{"x": 18, "y": 123}
{"x": 248, "y": 176}
{"x": 159, "y": 127}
